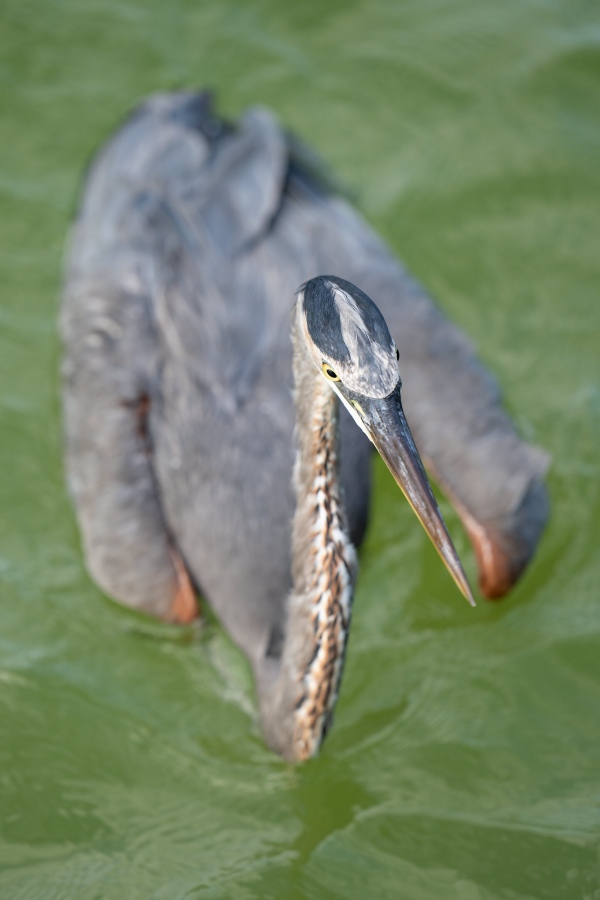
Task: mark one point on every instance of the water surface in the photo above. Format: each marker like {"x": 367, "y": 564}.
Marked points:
{"x": 465, "y": 761}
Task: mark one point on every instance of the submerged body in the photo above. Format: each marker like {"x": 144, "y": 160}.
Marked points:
{"x": 191, "y": 241}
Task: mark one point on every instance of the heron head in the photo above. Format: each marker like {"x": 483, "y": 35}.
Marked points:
{"x": 350, "y": 344}
{"x": 348, "y": 337}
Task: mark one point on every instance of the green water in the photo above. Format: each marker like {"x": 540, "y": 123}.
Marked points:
{"x": 465, "y": 760}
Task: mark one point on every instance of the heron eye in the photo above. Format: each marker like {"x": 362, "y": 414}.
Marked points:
{"x": 397, "y": 354}
{"x": 329, "y": 373}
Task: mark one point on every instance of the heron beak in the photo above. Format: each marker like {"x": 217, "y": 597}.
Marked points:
{"x": 386, "y": 426}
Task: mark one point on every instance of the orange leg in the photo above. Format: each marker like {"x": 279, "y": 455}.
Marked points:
{"x": 185, "y": 607}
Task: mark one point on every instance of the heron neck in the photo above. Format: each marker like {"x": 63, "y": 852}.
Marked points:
{"x": 323, "y": 571}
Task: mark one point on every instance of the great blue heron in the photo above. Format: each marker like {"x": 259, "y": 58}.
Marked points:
{"x": 190, "y": 243}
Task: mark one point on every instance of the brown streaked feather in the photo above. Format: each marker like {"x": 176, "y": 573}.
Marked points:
{"x": 331, "y": 568}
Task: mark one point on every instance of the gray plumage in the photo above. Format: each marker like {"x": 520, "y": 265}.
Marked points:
{"x": 190, "y": 243}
